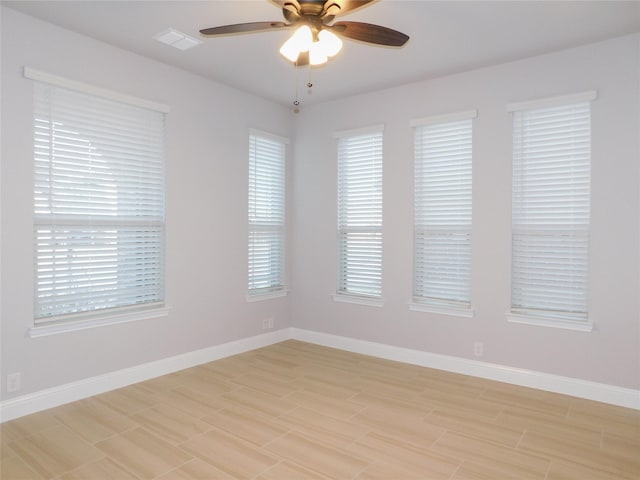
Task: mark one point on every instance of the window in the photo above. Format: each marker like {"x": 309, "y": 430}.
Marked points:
{"x": 550, "y": 211}
{"x": 442, "y": 214}
{"x": 266, "y": 214}
{"x": 99, "y": 202}
{"x": 360, "y": 213}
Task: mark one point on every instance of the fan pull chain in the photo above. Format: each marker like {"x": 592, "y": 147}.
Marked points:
{"x": 309, "y": 82}
{"x": 296, "y": 102}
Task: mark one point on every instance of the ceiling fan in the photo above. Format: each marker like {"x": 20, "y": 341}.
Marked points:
{"x": 315, "y": 39}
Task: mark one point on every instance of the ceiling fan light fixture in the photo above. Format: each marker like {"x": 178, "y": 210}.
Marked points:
{"x": 314, "y": 40}
{"x": 326, "y": 45}
{"x": 289, "y": 51}
{"x": 299, "y": 42}
{"x": 317, "y": 54}
{"x": 330, "y": 42}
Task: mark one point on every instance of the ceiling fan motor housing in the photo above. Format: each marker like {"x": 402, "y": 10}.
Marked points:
{"x": 311, "y": 11}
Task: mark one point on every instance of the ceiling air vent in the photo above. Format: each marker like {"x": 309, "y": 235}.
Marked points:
{"x": 177, "y": 39}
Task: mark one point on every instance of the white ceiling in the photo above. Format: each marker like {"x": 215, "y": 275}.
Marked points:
{"x": 446, "y": 37}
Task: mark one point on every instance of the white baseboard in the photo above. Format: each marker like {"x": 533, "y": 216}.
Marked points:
{"x": 600, "y": 392}
{"x": 71, "y": 392}
{"x": 53, "y": 397}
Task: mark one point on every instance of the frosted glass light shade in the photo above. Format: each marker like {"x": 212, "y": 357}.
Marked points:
{"x": 317, "y": 55}
{"x": 297, "y": 43}
{"x": 331, "y": 44}
{"x": 326, "y": 45}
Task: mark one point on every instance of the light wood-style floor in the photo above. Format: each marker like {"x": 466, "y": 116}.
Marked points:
{"x": 301, "y": 411}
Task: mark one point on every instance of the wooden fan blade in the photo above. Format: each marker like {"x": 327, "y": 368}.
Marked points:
{"x": 243, "y": 28}
{"x": 369, "y": 33}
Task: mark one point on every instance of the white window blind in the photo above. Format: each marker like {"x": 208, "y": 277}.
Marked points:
{"x": 266, "y": 213}
{"x": 99, "y": 204}
{"x": 550, "y": 210}
{"x": 360, "y": 213}
{"x": 442, "y": 216}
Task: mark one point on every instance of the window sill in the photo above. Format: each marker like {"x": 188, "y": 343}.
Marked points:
{"x": 358, "y": 300}
{"x": 442, "y": 309}
{"x": 97, "y": 321}
{"x": 256, "y": 297}
{"x": 554, "y": 322}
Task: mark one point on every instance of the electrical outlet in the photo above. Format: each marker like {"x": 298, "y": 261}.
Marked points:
{"x": 14, "y": 382}
{"x": 267, "y": 323}
{"x": 478, "y": 349}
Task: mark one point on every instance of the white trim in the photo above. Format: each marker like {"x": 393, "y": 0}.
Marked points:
{"x": 600, "y": 392}
{"x": 359, "y": 131}
{"x": 71, "y": 392}
{"x": 271, "y": 136}
{"x": 358, "y": 299}
{"x": 53, "y": 397}
{"x": 553, "y": 101}
{"x": 33, "y": 74}
{"x": 444, "y": 118}
{"x": 442, "y": 309}
{"x": 93, "y": 322}
{"x": 256, "y": 297}
{"x": 549, "y": 321}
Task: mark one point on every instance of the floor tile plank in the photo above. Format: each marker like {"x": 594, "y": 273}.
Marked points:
{"x": 247, "y": 424}
{"x": 404, "y": 455}
{"x": 513, "y": 462}
{"x": 14, "y": 468}
{"x": 319, "y": 457}
{"x": 230, "y": 454}
{"x": 142, "y": 453}
{"x": 100, "y": 469}
{"x": 55, "y": 451}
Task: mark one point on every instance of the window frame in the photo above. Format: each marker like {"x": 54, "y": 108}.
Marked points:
{"x": 277, "y": 224}
{"x": 420, "y": 303}
{"x": 80, "y": 319}
{"x": 548, "y": 317}
{"x": 373, "y": 212}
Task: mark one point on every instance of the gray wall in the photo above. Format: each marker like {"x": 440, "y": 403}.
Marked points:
{"x": 609, "y": 354}
{"x": 207, "y": 134}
